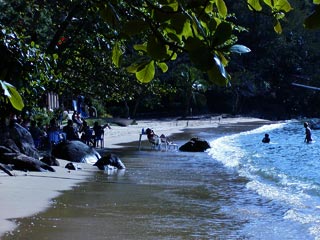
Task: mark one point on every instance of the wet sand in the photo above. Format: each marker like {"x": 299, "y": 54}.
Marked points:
{"x": 26, "y": 194}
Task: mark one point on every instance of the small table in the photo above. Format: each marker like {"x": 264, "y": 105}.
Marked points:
{"x": 172, "y": 146}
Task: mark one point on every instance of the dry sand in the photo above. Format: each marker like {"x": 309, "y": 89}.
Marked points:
{"x": 26, "y": 194}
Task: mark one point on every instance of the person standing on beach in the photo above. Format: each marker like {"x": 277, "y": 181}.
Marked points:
{"x": 99, "y": 131}
{"x": 70, "y": 131}
{"x": 308, "y": 137}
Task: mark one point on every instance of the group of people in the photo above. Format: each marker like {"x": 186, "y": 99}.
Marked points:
{"x": 90, "y": 135}
{"x": 307, "y": 139}
{"x": 73, "y": 130}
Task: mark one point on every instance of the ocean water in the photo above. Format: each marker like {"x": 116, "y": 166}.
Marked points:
{"x": 239, "y": 189}
{"x": 285, "y": 173}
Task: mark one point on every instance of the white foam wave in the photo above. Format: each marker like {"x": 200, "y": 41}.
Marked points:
{"x": 275, "y": 193}
{"x": 223, "y": 151}
{"x": 264, "y": 128}
{"x": 280, "y": 171}
{"x": 311, "y": 219}
{"x": 226, "y": 149}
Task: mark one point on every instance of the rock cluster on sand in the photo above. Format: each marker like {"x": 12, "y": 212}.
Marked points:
{"x": 17, "y": 150}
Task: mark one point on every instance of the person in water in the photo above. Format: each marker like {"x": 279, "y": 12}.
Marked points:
{"x": 266, "y": 138}
{"x": 308, "y": 137}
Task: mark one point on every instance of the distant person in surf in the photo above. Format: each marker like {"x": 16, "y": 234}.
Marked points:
{"x": 308, "y": 138}
{"x": 266, "y": 138}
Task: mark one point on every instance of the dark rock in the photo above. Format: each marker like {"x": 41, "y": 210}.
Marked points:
{"x": 6, "y": 169}
{"x": 22, "y": 140}
{"x": 70, "y": 166}
{"x": 22, "y": 162}
{"x": 109, "y": 159}
{"x": 76, "y": 151}
{"x": 11, "y": 145}
{"x": 50, "y": 160}
{"x": 195, "y": 145}
{"x": 4, "y": 150}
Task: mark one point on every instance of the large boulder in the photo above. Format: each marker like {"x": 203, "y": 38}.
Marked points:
{"x": 50, "y": 160}
{"x": 195, "y": 145}
{"x": 19, "y": 161}
{"x": 76, "y": 151}
{"x": 20, "y": 138}
{"x": 109, "y": 159}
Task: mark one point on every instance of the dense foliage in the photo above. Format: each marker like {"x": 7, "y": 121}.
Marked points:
{"x": 109, "y": 51}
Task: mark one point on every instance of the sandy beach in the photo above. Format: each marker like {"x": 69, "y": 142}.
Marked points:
{"x": 26, "y": 194}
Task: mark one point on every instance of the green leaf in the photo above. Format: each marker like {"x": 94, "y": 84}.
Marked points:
{"x": 116, "y": 54}
{"x": 109, "y": 14}
{"x": 202, "y": 58}
{"x": 146, "y": 74}
{"x": 133, "y": 68}
{"x": 163, "y": 66}
{"x": 209, "y": 8}
{"x": 134, "y": 27}
{"x": 313, "y": 21}
{"x": 316, "y": 1}
{"x": 166, "y": 11}
{"x": 13, "y": 95}
{"x": 220, "y": 67}
{"x": 279, "y": 5}
{"x": 156, "y": 49}
{"x": 270, "y": 3}
{"x": 222, "y": 34}
{"x": 283, "y": 5}
{"x": 140, "y": 47}
{"x": 237, "y": 48}
{"x": 192, "y": 43}
{"x": 217, "y": 74}
{"x": 199, "y": 53}
{"x": 160, "y": 16}
{"x": 222, "y": 8}
{"x": 172, "y": 5}
{"x": 216, "y": 78}
{"x": 178, "y": 22}
{"x": 5, "y": 88}
{"x": 173, "y": 55}
{"x": 254, "y": 5}
{"x": 187, "y": 30}
{"x": 277, "y": 27}
{"x": 173, "y": 36}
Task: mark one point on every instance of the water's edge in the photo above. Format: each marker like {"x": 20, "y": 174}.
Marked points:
{"x": 77, "y": 203}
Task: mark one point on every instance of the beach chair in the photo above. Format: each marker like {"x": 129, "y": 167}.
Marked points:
{"x": 157, "y": 143}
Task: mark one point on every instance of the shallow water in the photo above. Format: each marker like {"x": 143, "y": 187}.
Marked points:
{"x": 238, "y": 190}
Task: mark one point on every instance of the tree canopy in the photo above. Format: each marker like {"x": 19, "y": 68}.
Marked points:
{"x": 98, "y": 47}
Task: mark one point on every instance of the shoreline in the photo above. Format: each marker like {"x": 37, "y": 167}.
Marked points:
{"x": 27, "y": 194}
{"x": 116, "y": 136}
